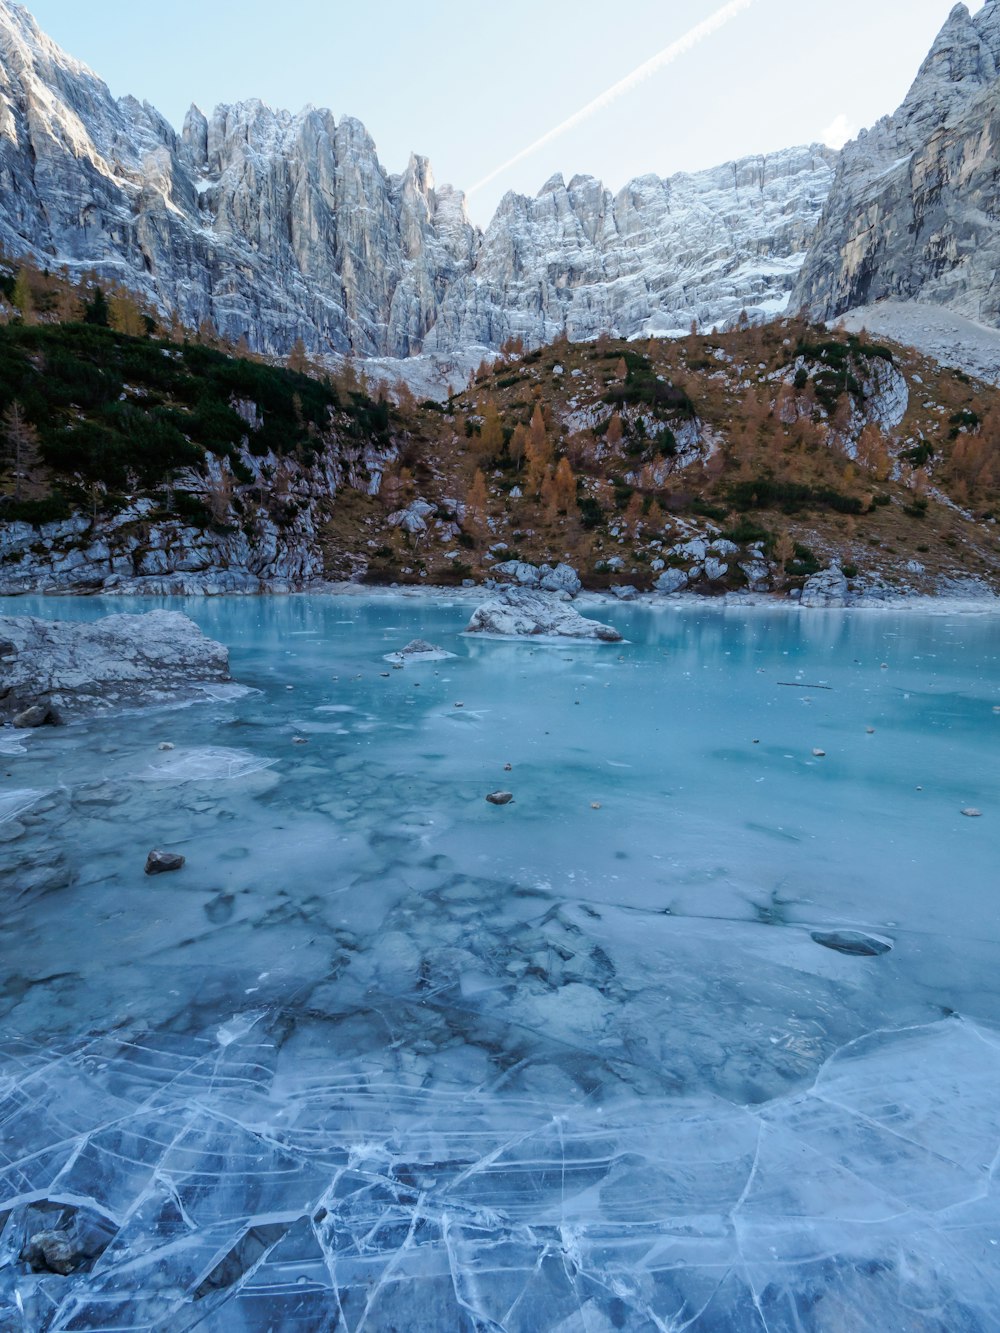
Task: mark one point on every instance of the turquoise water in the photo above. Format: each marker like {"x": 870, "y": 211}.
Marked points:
{"x": 387, "y": 1055}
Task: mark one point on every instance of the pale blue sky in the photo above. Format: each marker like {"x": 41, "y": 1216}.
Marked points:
{"x": 471, "y": 85}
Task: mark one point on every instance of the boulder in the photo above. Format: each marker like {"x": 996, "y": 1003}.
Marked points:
{"x": 671, "y": 581}
{"x": 63, "y": 670}
{"x": 519, "y": 613}
{"x": 37, "y": 715}
{"x": 500, "y": 797}
{"x": 826, "y": 589}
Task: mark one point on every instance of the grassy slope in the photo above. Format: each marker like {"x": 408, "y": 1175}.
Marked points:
{"x": 127, "y": 413}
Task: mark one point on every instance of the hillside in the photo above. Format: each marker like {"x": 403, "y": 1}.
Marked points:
{"x": 165, "y": 466}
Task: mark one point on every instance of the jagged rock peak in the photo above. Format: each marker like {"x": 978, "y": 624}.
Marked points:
{"x": 912, "y": 211}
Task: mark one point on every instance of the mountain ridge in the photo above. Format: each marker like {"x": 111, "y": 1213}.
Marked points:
{"x": 277, "y": 226}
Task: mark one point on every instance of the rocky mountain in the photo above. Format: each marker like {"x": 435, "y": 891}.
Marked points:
{"x": 278, "y": 226}
{"x": 913, "y": 213}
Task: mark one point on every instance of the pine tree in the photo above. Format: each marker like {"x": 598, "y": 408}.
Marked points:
{"x": 96, "y": 311}
{"x": 20, "y": 440}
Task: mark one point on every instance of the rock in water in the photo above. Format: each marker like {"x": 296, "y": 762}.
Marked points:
{"x": 161, "y": 863}
{"x": 521, "y": 613}
{"x": 119, "y": 662}
{"x": 852, "y": 942}
{"x": 500, "y": 797}
{"x": 418, "y": 650}
{"x": 36, "y": 716}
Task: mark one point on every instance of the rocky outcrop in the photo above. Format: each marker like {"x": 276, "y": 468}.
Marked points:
{"x": 72, "y": 670}
{"x": 271, "y": 546}
{"x": 826, "y": 589}
{"x": 913, "y": 210}
{"x": 547, "y": 578}
{"x": 276, "y": 226}
{"x": 520, "y": 613}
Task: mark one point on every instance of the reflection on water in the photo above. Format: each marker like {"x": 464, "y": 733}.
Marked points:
{"x": 387, "y": 1055}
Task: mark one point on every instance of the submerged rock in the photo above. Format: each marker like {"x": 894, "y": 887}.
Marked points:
{"x": 161, "y": 863}
{"x": 852, "y": 942}
{"x": 519, "y": 613}
{"x": 63, "y": 670}
{"x": 52, "y": 1252}
{"x": 500, "y": 797}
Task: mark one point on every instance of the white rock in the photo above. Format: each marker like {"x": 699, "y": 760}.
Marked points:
{"x": 519, "y": 613}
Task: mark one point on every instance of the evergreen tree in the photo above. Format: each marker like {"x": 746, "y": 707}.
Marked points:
{"x": 96, "y": 310}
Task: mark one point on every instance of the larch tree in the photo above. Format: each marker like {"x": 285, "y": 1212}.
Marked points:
{"x": 20, "y": 440}
{"x": 616, "y": 431}
{"x": 565, "y": 488}
{"x": 538, "y": 453}
{"x": 518, "y": 446}
{"x": 490, "y": 441}
{"x": 298, "y": 358}
{"x": 23, "y": 299}
{"x": 476, "y": 505}
{"x": 124, "y": 314}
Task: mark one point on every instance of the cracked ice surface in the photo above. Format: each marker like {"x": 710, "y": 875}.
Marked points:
{"x": 382, "y": 1058}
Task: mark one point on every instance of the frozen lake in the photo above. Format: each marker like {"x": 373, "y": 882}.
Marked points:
{"x": 385, "y": 1057}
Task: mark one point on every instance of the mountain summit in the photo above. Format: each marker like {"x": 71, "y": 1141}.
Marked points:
{"x": 914, "y": 208}
{"x": 279, "y": 226}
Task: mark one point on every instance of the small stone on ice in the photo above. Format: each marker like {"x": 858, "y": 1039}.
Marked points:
{"x": 819, "y": 754}
{"x": 460, "y": 705}
{"x": 870, "y": 731}
{"x": 595, "y": 805}
{"x": 500, "y": 797}
{"x": 972, "y": 813}
{"x": 508, "y": 768}
{"x": 159, "y": 863}
{"x": 165, "y": 745}
{"x": 299, "y": 740}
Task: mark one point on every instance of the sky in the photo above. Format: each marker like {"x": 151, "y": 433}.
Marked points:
{"x": 472, "y": 86}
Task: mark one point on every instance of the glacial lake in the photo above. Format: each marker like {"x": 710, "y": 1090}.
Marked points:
{"x": 702, "y": 1031}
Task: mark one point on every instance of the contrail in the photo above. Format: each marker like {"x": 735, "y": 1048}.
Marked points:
{"x": 666, "y": 57}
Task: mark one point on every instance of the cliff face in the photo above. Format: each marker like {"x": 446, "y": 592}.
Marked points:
{"x": 913, "y": 210}
{"x": 278, "y": 226}
{"x": 648, "y": 260}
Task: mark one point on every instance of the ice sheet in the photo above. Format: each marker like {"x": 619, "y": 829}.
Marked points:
{"x": 383, "y": 1056}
